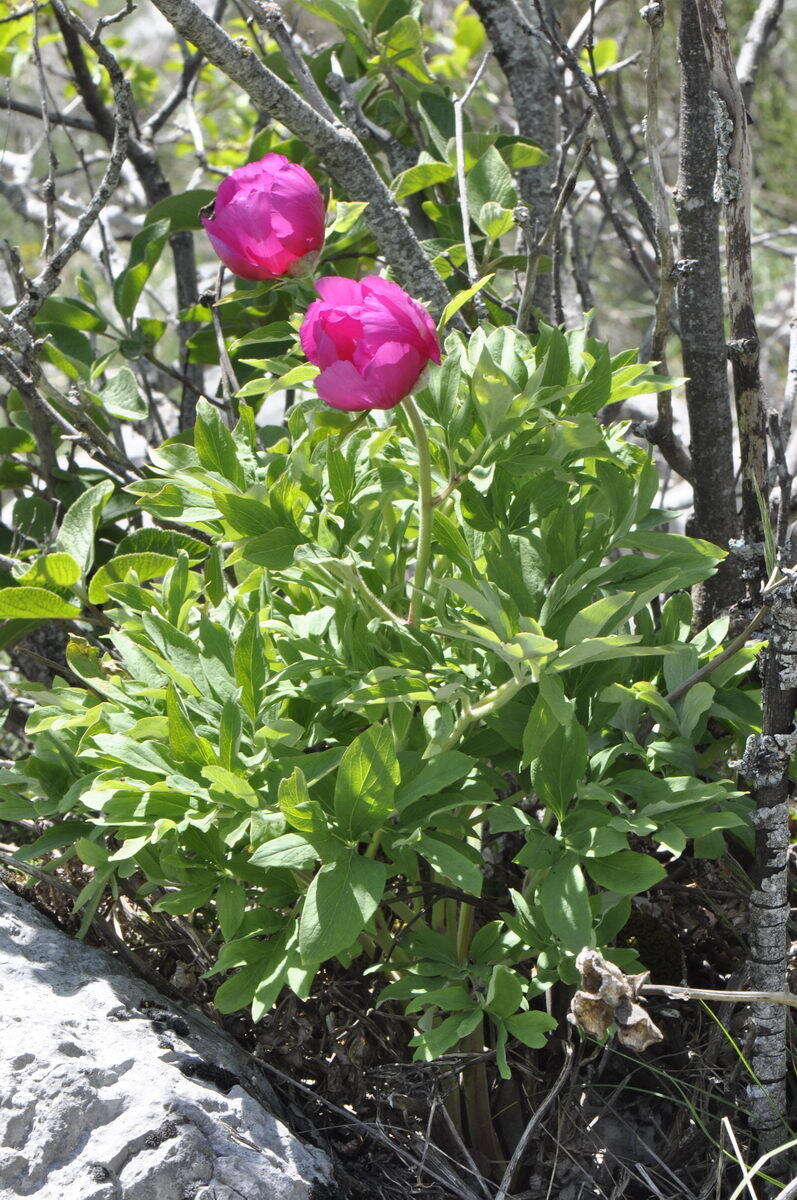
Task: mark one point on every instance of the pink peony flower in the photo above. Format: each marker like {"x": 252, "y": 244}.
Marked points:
{"x": 266, "y": 218}
{"x": 371, "y": 340}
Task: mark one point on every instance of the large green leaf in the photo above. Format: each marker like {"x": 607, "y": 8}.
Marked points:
{"x": 181, "y": 211}
{"x": 340, "y": 902}
{"x": 56, "y": 570}
{"x": 565, "y": 904}
{"x": 215, "y": 444}
{"x": 366, "y": 782}
{"x": 76, "y": 535}
{"x": 559, "y": 766}
{"x": 626, "y": 872}
{"x": 145, "y": 250}
{"x": 35, "y": 602}
{"x": 122, "y": 398}
{"x": 145, "y": 565}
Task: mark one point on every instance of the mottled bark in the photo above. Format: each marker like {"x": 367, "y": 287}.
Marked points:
{"x": 702, "y": 320}
{"x": 765, "y": 767}
{"x": 527, "y": 63}
{"x": 732, "y": 189}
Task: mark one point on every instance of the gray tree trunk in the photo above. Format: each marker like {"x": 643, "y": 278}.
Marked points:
{"x": 527, "y": 63}
{"x": 702, "y": 321}
{"x": 765, "y": 767}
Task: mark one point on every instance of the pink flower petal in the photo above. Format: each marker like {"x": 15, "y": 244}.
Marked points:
{"x": 340, "y": 386}
{"x": 336, "y": 289}
{"x": 393, "y": 372}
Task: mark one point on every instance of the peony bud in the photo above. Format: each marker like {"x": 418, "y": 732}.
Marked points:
{"x": 371, "y": 340}
{"x": 267, "y": 218}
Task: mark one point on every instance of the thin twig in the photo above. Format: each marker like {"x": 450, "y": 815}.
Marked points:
{"x": 229, "y": 381}
{"x": 761, "y": 33}
{"x": 597, "y": 99}
{"x": 790, "y": 391}
{"x": 462, "y": 183}
{"x": 269, "y": 16}
{"x": 732, "y": 648}
{"x": 541, "y": 1111}
{"x": 789, "y": 999}
{"x": 48, "y": 190}
{"x": 544, "y": 243}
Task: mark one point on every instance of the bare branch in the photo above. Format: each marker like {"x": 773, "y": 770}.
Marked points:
{"x": 762, "y": 32}
{"x": 662, "y": 433}
{"x": 269, "y": 15}
{"x": 543, "y": 245}
{"x": 528, "y": 65}
{"x": 462, "y": 183}
{"x": 338, "y": 149}
{"x": 48, "y": 279}
{"x": 597, "y": 99}
{"x": 702, "y": 320}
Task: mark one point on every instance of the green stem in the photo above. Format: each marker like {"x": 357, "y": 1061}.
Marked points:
{"x": 489, "y": 704}
{"x": 464, "y": 931}
{"x": 423, "y": 551}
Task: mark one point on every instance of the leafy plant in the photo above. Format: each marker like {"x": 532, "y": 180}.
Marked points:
{"x": 263, "y": 736}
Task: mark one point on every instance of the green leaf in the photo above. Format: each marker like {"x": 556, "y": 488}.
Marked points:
{"x": 263, "y": 386}
{"x": 435, "y": 776}
{"x": 76, "y": 535}
{"x": 565, "y": 904}
{"x": 504, "y": 992}
{"x": 366, "y": 782}
{"x": 599, "y": 617}
{"x": 422, "y": 175}
{"x": 274, "y": 550}
{"x": 530, "y": 1028}
{"x": 182, "y": 211}
{"x": 230, "y": 905}
{"x": 490, "y": 180}
{"x": 342, "y": 13}
{"x": 145, "y": 250}
{"x": 16, "y": 441}
{"x": 340, "y": 902}
{"x": 294, "y": 801}
{"x": 35, "y": 602}
{"x": 183, "y": 740}
{"x": 434, "y": 1042}
{"x": 288, "y": 850}
{"x": 495, "y": 220}
{"x": 249, "y": 664}
{"x": 246, "y": 515}
{"x": 461, "y": 298}
{"x": 521, "y": 154}
{"x": 122, "y": 398}
{"x": 57, "y": 570}
{"x": 455, "y": 860}
{"x": 696, "y": 702}
{"x": 161, "y": 541}
{"x": 146, "y": 566}
{"x": 541, "y": 850}
{"x": 215, "y": 444}
{"x": 626, "y": 872}
{"x": 560, "y": 765}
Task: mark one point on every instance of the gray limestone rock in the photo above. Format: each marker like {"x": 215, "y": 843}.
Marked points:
{"x": 110, "y": 1092}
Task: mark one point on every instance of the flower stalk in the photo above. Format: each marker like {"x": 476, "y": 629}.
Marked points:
{"x": 425, "y": 506}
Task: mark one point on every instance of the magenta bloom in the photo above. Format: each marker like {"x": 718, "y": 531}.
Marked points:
{"x": 371, "y": 340}
{"x": 267, "y": 217}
